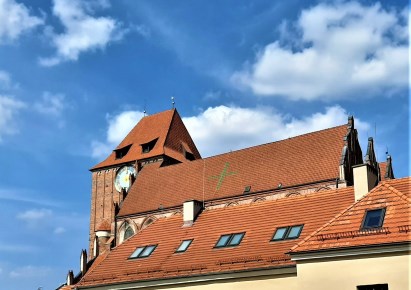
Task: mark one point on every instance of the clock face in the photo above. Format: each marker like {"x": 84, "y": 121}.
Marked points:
{"x": 123, "y": 177}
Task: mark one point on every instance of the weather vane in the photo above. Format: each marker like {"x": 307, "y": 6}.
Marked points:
{"x": 172, "y": 102}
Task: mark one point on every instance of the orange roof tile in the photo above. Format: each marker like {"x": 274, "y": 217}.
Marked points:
{"x": 258, "y": 220}
{"x": 167, "y": 126}
{"x": 344, "y": 230}
{"x": 300, "y": 160}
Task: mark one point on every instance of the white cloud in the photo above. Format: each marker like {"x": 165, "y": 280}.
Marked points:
{"x": 15, "y": 19}
{"x": 118, "y": 128}
{"x": 5, "y": 80}
{"x": 34, "y": 215}
{"x": 83, "y": 32}
{"x": 216, "y": 130}
{"x": 342, "y": 50}
{"x": 9, "y": 108}
{"x": 50, "y": 104}
{"x": 30, "y": 272}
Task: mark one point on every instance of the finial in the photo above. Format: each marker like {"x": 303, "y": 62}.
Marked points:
{"x": 172, "y": 102}
{"x": 145, "y": 107}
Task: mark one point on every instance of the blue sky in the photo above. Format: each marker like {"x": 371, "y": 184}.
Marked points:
{"x": 75, "y": 76}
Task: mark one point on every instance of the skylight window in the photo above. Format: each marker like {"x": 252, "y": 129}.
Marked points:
{"x": 229, "y": 240}
{"x": 184, "y": 246}
{"x": 373, "y": 218}
{"x": 286, "y": 233}
{"x": 143, "y": 252}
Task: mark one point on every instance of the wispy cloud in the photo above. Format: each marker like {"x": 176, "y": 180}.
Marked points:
{"x": 17, "y": 248}
{"x": 82, "y": 31}
{"x": 15, "y": 19}
{"x": 35, "y": 215}
{"x": 50, "y": 104}
{"x": 59, "y": 230}
{"x": 26, "y": 196}
{"x": 338, "y": 51}
{"x": 9, "y": 108}
{"x": 30, "y": 271}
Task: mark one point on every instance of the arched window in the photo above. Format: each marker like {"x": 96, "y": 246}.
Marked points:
{"x": 128, "y": 232}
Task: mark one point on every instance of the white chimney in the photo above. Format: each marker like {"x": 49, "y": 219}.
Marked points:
{"x": 191, "y": 210}
{"x": 365, "y": 179}
{"x": 83, "y": 262}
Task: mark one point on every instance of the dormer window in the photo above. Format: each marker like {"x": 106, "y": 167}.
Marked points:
{"x": 373, "y": 218}
{"x": 147, "y": 147}
{"x": 120, "y": 153}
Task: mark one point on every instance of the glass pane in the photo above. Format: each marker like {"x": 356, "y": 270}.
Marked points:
{"x": 184, "y": 245}
{"x": 373, "y": 218}
{"x": 136, "y": 252}
{"x": 147, "y": 251}
{"x": 223, "y": 241}
{"x": 236, "y": 239}
{"x": 128, "y": 233}
{"x": 279, "y": 234}
{"x": 294, "y": 232}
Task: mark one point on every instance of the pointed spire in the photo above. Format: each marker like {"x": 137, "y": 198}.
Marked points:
{"x": 370, "y": 157}
{"x": 70, "y": 278}
{"x": 389, "y": 172}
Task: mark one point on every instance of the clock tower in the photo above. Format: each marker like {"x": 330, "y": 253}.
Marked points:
{"x": 161, "y": 137}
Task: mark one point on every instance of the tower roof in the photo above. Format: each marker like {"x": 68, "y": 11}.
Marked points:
{"x": 163, "y": 133}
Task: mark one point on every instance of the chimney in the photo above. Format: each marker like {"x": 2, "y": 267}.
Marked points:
{"x": 365, "y": 179}
{"x": 83, "y": 262}
{"x": 70, "y": 278}
{"x": 191, "y": 209}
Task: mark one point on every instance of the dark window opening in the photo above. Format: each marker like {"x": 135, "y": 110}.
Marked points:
{"x": 128, "y": 232}
{"x": 184, "y": 246}
{"x": 287, "y": 233}
{"x": 189, "y": 156}
{"x": 247, "y": 189}
{"x": 143, "y": 252}
{"x": 373, "y": 287}
{"x": 147, "y": 147}
{"x": 373, "y": 218}
{"x": 120, "y": 153}
{"x": 229, "y": 240}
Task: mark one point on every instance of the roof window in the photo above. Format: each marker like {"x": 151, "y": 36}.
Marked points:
{"x": 373, "y": 218}
{"x": 147, "y": 147}
{"x": 120, "y": 153}
{"x": 229, "y": 240}
{"x": 286, "y": 233}
{"x": 143, "y": 252}
{"x": 184, "y": 246}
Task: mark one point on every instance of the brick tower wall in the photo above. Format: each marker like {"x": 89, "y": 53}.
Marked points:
{"x": 103, "y": 195}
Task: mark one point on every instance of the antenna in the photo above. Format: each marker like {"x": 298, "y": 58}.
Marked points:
{"x": 172, "y": 102}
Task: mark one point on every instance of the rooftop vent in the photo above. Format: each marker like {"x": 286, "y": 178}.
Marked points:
{"x": 247, "y": 189}
{"x": 191, "y": 209}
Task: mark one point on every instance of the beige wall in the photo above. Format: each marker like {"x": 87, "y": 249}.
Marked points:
{"x": 347, "y": 274}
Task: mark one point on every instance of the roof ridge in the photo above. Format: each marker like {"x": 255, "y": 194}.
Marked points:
{"x": 324, "y": 226}
{"x": 169, "y": 129}
{"x": 396, "y": 191}
{"x": 277, "y": 141}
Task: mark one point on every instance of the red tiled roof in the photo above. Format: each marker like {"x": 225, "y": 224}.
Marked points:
{"x": 344, "y": 230}
{"x": 258, "y": 220}
{"x": 304, "y": 159}
{"x": 167, "y": 126}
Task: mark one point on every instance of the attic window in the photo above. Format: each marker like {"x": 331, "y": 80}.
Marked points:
{"x": 143, "y": 252}
{"x": 120, "y": 153}
{"x": 147, "y": 147}
{"x": 189, "y": 156}
{"x": 229, "y": 240}
{"x": 285, "y": 233}
{"x": 184, "y": 246}
{"x": 247, "y": 189}
{"x": 373, "y": 218}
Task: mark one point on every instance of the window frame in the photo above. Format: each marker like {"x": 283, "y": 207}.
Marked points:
{"x": 144, "y": 248}
{"x": 186, "y": 248}
{"x": 286, "y": 234}
{"x": 228, "y": 244}
{"x": 381, "y": 221}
